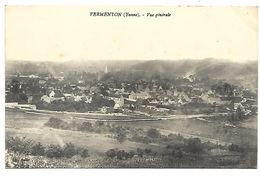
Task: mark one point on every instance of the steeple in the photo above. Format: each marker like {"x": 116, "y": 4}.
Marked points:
{"x": 106, "y": 70}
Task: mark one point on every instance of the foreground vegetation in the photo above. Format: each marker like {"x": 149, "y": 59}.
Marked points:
{"x": 178, "y": 152}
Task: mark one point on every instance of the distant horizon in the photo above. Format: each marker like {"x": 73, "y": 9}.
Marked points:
{"x": 141, "y": 60}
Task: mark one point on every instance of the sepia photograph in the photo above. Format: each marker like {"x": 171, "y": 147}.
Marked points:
{"x": 131, "y": 87}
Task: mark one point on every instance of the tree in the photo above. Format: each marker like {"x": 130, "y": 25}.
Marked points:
{"x": 132, "y": 107}
{"x": 54, "y": 151}
{"x": 194, "y": 145}
{"x": 15, "y": 86}
{"x": 38, "y": 149}
{"x": 23, "y": 98}
{"x": 69, "y": 150}
{"x": 121, "y": 137}
{"x": 121, "y": 154}
{"x": 179, "y": 154}
{"x": 140, "y": 152}
{"x": 131, "y": 153}
{"x": 86, "y": 126}
{"x": 153, "y": 133}
{"x": 120, "y": 134}
{"x": 111, "y": 153}
{"x": 84, "y": 153}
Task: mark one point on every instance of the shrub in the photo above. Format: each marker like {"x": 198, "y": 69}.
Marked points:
{"x": 194, "y": 145}
{"x": 54, "y": 151}
{"x": 175, "y": 137}
{"x": 111, "y": 153}
{"x": 235, "y": 148}
{"x": 121, "y": 154}
{"x": 27, "y": 146}
{"x": 147, "y": 151}
{"x": 140, "y": 152}
{"x": 83, "y": 153}
{"x": 121, "y": 137}
{"x": 99, "y": 123}
{"x": 153, "y": 133}
{"x": 21, "y": 145}
{"x": 179, "y": 154}
{"x": 86, "y": 126}
{"x": 56, "y": 123}
{"x": 120, "y": 134}
{"x": 131, "y": 154}
{"x": 69, "y": 150}
{"x": 38, "y": 149}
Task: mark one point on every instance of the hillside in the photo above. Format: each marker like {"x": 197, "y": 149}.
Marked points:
{"x": 238, "y": 73}
{"x": 200, "y": 68}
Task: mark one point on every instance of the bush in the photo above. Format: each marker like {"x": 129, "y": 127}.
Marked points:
{"x": 83, "y": 153}
{"x": 142, "y": 139}
{"x": 147, "y": 151}
{"x": 140, "y": 152}
{"x": 194, "y": 145}
{"x": 56, "y": 123}
{"x": 21, "y": 145}
{"x": 153, "y": 133}
{"x": 131, "y": 154}
{"x": 235, "y": 148}
{"x": 69, "y": 150}
{"x": 54, "y": 151}
{"x": 38, "y": 149}
{"x": 27, "y": 147}
{"x": 177, "y": 137}
{"x": 179, "y": 154}
{"x": 111, "y": 153}
{"x": 120, "y": 154}
{"x": 99, "y": 123}
{"x": 120, "y": 134}
{"x": 86, "y": 126}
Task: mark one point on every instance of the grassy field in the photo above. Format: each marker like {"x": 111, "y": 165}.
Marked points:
{"x": 244, "y": 134}
{"x": 215, "y": 130}
{"x": 32, "y": 127}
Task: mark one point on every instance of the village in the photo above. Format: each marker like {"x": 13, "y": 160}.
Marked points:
{"x": 104, "y": 93}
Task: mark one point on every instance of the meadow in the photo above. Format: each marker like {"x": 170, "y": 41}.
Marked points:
{"x": 212, "y": 133}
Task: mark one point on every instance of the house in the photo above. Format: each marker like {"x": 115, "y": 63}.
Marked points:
{"x": 30, "y": 99}
{"x": 33, "y": 76}
{"x": 116, "y": 106}
{"x": 141, "y": 95}
{"x": 153, "y": 100}
{"x": 248, "y": 94}
{"x": 42, "y": 81}
{"x": 51, "y": 94}
{"x": 88, "y": 99}
{"x": 184, "y": 97}
{"x": 26, "y": 106}
{"x": 20, "y": 106}
{"x": 11, "y": 105}
{"x": 107, "y": 110}
{"x": 68, "y": 95}
{"x": 46, "y": 99}
{"x": 119, "y": 101}
{"x": 78, "y": 97}
{"x": 162, "y": 109}
{"x": 196, "y": 91}
{"x": 239, "y": 105}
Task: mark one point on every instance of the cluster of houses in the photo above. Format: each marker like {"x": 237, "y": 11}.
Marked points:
{"x": 160, "y": 97}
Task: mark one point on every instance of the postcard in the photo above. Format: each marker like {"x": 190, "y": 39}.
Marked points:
{"x": 131, "y": 87}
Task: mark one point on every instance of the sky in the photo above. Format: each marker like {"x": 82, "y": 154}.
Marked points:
{"x": 63, "y": 33}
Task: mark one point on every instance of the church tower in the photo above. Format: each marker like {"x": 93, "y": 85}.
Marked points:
{"x": 106, "y": 70}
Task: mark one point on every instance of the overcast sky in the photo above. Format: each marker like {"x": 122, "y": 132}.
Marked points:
{"x": 61, "y": 33}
